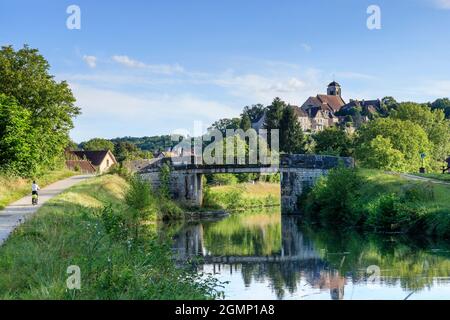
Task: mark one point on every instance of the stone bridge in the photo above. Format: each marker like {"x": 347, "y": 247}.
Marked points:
{"x": 299, "y": 172}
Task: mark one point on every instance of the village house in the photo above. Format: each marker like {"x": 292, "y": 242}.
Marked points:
{"x": 325, "y": 110}
{"x": 322, "y": 108}
{"x": 90, "y": 161}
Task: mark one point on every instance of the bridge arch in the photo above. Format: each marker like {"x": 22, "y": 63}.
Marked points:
{"x": 299, "y": 172}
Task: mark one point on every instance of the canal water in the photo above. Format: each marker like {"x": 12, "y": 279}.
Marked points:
{"x": 263, "y": 255}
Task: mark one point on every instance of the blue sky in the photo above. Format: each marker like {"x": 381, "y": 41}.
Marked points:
{"x": 151, "y": 67}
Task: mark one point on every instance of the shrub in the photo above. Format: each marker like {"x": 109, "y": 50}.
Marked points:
{"x": 140, "y": 201}
{"x": 114, "y": 222}
{"x": 333, "y": 198}
{"x": 169, "y": 210}
{"x": 395, "y": 214}
{"x": 210, "y": 199}
{"x": 121, "y": 171}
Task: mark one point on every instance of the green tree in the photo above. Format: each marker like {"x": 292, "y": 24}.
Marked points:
{"x": 292, "y": 139}
{"x": 98, "y": 144}
{"x": 125, "y": 151}
{"x": 224, "y": 124}
{"x": 388, "y": 104}
{"x": 434, "y": 124}
{"x": 442, "y": 104}
{"x": 17, "y": 141}
{"x": 24, "y": 75}
{"x": 255, "y": 112}
{"x": 405, "y": 136}
{"x": 71, "y": 145}
{"x": 379, "y": 153}
{"x": 245, "y": 122}
{"x": 333, "y": 141}
{"x": 274, "y": 114}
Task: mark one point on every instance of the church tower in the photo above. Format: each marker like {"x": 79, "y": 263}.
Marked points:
{"x": 334, "y": 89}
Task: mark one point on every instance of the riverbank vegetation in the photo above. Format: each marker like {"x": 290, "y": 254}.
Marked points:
{"x": 101, "y": 226}
{"x": 379, "y": 202}
{"x": 242, "y": 196}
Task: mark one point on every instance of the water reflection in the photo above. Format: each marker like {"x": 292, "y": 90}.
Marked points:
{"x": 264, "y": 255}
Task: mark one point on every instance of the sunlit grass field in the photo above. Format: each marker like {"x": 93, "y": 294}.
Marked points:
{"x": 245, "y": 195}
{"x": 383, "y": 183}
{"x": 14, "y": 188}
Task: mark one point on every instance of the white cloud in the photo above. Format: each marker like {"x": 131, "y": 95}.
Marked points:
{"x": 306, "y": 47}
{"x": 156, "y": 68}
{"x": 110, "y": 113}
{"x": 91, "y": 61}
{"x": 442, "y": 4}
{"x": 294, "y": 88}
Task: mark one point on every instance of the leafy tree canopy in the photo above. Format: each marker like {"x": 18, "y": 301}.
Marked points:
{"x": 24, "y": 75}
{"x": 405, "y": 136}
{"x": 255, "y": 112}
{"x": 333, "y": 141}
{"x": 224, "y": 124}
{"x": 433, "y": 122}
{"x": 16, "y": 138}
{"x": 97, "y": 144}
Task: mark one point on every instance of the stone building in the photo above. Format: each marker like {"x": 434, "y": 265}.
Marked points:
{"x": 321, "y": 109}
{"x": 325, "y": 110}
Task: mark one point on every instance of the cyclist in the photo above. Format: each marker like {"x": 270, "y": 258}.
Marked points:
{"x": 34, "y": 192}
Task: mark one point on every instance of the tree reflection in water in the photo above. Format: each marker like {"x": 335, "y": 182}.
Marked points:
{"x": 265, "y": 247}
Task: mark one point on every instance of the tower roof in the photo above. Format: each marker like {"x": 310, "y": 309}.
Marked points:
{"x": 334, "y": 84}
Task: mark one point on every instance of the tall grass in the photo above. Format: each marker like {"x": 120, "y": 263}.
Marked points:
{"x": 80, "y": 227}
{"x": 242, "y": 196}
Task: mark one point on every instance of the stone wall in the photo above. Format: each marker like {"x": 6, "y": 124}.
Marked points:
{"x": 184, "y": 186}
{"x": 294, "y": 182}
{"x": 298, "y": 174}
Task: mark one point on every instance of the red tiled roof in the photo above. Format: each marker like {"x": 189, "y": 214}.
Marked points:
{"x": 335, "y": 102}
{"x": 81, "y": 165}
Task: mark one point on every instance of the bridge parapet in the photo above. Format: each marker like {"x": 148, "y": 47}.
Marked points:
{"x": 299, "y": 172}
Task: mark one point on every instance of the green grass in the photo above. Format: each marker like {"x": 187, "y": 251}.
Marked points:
{"x": 14, "y": 188}
{"x": 243, "y": 196}
{"x": 437, "y": 176}
{"x": 70, "y": 230}
{"x": 380, "y": 183}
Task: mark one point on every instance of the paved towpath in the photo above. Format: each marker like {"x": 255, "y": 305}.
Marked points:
{"x": 419, "y": 178}
{"x": 17, "y": 212}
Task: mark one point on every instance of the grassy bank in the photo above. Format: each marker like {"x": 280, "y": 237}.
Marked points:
{"x": 87, "y": 226}
{"x": 379, "y": 202}
{"x": 14, "y": 188}
{"x": 242, "y": 196}
{"x": 436, "y": 176}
